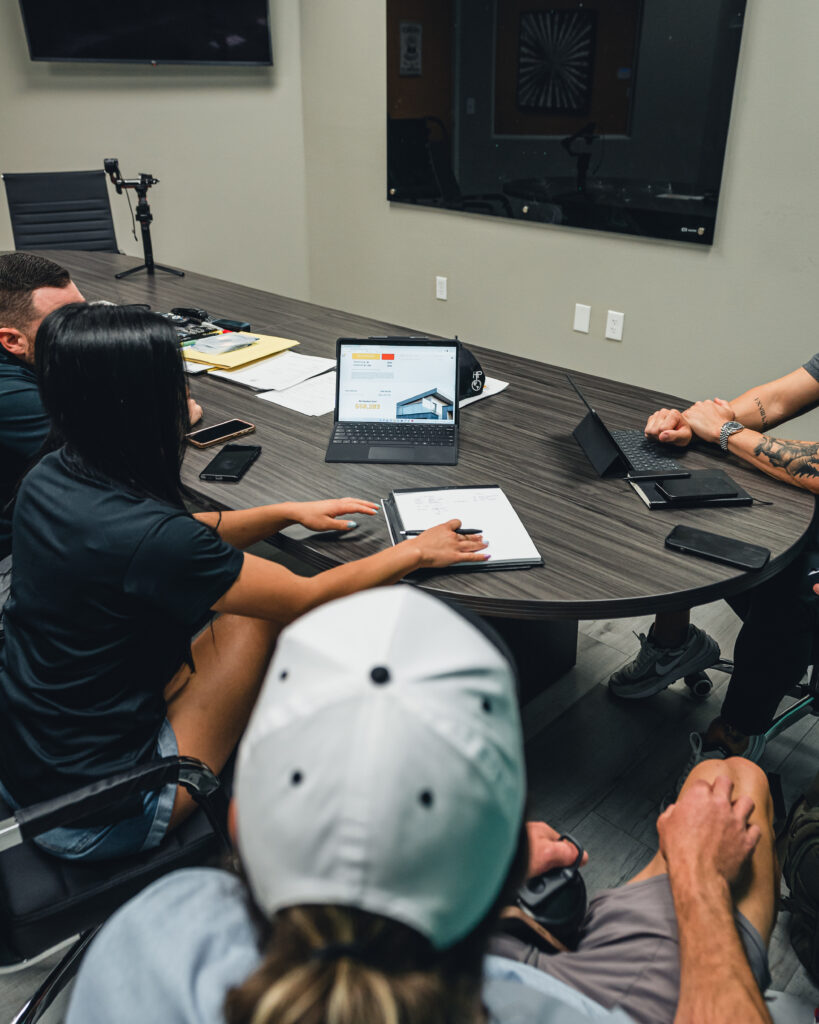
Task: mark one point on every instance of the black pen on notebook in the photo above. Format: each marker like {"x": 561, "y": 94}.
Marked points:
{"x": 415, "y": 533}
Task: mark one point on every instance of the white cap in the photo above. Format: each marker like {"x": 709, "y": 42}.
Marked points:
{"x": 383, "y": 766}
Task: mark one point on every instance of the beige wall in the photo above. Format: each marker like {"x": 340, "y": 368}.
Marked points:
{"x": 292, "y": 161}
{"x": 699, "y": 321}
{"x": 226, "y": 144}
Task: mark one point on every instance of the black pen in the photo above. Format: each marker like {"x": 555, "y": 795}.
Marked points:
{"x": 415, "y": 533}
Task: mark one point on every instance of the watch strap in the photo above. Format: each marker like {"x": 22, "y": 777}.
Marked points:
{"x": 726, "y": 430}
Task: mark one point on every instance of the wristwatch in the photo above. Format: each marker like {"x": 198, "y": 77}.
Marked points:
{"x": 725, "y": 431}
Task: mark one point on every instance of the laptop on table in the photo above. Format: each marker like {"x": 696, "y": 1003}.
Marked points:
{"x": 622, "y": 453}
{"x": 396, "y": 401}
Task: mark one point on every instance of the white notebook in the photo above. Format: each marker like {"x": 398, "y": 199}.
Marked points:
{"x": 483, "y": 507}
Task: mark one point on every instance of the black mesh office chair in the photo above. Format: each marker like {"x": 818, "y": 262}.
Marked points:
{"x": 61, "y": 210}
{"x": 45, "y": 900}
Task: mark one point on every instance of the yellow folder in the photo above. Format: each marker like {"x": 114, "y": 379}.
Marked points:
{"x": 266, "y": 346}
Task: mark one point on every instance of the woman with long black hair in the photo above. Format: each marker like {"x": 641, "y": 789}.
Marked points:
{"x": 112, "y": 577}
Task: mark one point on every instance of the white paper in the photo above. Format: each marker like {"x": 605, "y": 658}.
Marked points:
{"x": 313, "y": 397}
{"x": 479, "y": 508}
{"x": 491, "y": 386}
{"x": 278, "y": 372}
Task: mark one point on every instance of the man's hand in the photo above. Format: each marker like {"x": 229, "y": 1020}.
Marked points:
{"x": 706, "y": 833}
{"x": 547, "y": 850}
{"x": 668, "y": 426}
{"x": 707, "y": 418}
{"x": 324, "y": 515}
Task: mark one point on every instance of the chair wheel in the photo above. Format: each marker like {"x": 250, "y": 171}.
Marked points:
{"x": 700, "y": 685}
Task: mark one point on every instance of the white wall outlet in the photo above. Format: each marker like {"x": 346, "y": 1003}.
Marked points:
{"x": 582, "y": 318}
{"x": 440, "y": 288}
{"x": 614, "y": 325}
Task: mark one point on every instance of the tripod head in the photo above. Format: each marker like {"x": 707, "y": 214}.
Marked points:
{"x": 140, "y": 184}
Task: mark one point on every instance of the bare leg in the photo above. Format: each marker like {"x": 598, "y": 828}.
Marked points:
{"x": 755, "y": 894}
{"x": 209, "y": 708}
{"x": 671, "y": 628}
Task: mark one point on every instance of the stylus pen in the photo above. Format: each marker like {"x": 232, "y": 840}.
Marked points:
{"x": 415, "y": 533}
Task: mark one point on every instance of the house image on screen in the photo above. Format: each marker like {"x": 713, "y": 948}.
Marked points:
{"x": 429, "y": 405}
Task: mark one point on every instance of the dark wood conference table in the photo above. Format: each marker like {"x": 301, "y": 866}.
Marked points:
{"x": 602, "y": 548}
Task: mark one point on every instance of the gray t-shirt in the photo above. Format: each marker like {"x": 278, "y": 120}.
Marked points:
{"x": 174, "y": 951}
{"x": 812, "y": 366}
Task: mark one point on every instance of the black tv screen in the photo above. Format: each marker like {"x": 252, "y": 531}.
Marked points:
{"x": 149, "y": 31}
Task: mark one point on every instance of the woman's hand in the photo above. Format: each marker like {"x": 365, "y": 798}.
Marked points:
{"x": 324, "y": 515}
{"x": 441, "y": 546}
{"x": 547, "y": 850}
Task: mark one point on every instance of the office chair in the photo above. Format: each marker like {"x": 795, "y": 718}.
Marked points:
{"x": 61, "y": 210}
{"x": 419, "y": 168}
{"x": 45, "y": 900}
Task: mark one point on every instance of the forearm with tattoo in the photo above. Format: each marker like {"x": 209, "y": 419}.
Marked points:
{"x": 796, "y": 458}
{"x": 762, "y": 417}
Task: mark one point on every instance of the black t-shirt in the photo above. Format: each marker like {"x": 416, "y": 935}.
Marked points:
{"x": 23, "y": 428}
{"x": 106, "y": 591}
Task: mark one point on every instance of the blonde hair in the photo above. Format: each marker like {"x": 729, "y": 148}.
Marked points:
{"x": 338, "y": 965}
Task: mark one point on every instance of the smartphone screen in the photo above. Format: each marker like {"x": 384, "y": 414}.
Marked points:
{"x": 232, "y": 462}
{"x": 219, "y": 432}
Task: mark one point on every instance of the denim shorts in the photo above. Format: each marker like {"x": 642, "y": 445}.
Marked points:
{"x": 125, "y": 838}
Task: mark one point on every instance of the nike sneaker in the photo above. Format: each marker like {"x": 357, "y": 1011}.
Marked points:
{"x": 655, "y": 667}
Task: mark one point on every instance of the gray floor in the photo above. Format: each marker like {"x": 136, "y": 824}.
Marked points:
{"x": 598, "y": 768}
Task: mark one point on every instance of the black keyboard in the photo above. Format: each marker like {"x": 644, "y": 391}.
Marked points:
{"x": 394, "y": 433}
{"x": 643, "y": 454}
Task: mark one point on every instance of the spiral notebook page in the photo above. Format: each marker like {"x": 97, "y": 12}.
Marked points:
{"x": 479, "y": 508}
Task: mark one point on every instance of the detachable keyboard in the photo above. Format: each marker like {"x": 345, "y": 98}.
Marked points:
{"x": 393, "y": 434}
{"x": 643, "y": 454}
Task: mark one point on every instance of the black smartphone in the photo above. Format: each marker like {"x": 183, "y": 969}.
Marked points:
{"x": 219, "y": 432}
{"x": 717, "y": 548}
{"x": 232, "y": 462}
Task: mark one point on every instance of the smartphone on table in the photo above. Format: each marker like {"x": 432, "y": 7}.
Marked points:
{"x": 231, "y": 463}
{"x": 717, "y": 548}
{"x": 219, "y": 432}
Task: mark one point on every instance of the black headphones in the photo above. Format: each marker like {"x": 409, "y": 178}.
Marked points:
{"x": 557, "y": 899}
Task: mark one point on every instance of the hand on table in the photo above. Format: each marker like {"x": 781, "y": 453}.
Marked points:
{"x": 668, "y": 426}
{"x": 442, "y": 546}
{"x": 324, "y": 515}
{"x": 706, "y": 418}
{"x": 547, "y": 850}
{"x": 706, "y": 832}
{"x": 194, "y": 411}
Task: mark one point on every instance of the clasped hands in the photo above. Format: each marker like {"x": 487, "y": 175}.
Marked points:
{"x": 703, "y": 419}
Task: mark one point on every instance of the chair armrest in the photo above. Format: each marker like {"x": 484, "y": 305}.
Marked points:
{"x": 194, "y": 775}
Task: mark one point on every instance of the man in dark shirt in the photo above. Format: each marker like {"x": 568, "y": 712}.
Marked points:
{"x": 781, "y": 616}
{"x": 30, "y": 288}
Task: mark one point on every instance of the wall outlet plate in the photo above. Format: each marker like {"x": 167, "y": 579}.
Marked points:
{"x": 614, "y": 325}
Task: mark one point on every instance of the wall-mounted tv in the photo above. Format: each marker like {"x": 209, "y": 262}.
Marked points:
{"x": 149, "y": 31}
{"x": 603, "y": 114}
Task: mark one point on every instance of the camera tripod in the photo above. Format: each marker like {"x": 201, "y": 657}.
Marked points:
{"x": 143, "y": 214}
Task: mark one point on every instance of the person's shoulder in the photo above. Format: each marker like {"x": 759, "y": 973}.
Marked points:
{"x": 171, "y": 953}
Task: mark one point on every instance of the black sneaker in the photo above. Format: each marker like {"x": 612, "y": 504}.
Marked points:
{"x": 655, "y": 667}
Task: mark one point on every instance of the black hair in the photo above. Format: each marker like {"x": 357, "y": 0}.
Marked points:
{"x": 22, "y": 273}
{"x": 112, "y": 382}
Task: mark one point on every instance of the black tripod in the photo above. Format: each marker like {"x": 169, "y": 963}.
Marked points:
{"x": 143, "y": 215}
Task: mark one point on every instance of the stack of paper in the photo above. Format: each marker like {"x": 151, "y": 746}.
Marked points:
{"x": 278, "y": 372}
{"x": 313, "y": 397}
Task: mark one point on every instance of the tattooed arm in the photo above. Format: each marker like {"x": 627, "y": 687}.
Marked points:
{"x": 793, "y": 462}
{"x": 761, "y": 408}
{"x": 768, "y": 405}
